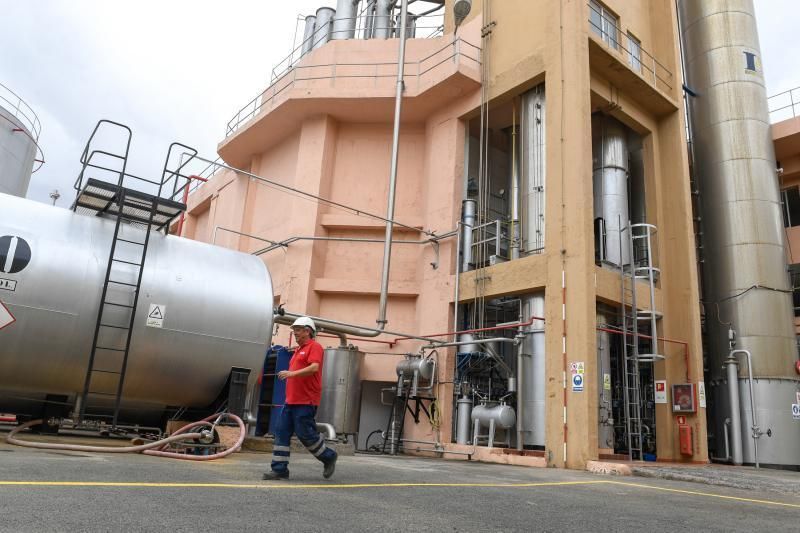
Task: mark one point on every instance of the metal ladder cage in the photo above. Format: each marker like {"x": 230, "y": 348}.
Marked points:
{"x": 639, "y": 238}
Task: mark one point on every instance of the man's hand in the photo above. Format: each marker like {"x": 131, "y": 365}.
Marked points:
{"x": 283, "y": 374}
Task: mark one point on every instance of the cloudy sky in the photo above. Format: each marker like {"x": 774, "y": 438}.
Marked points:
{"x": 180, "y": 69}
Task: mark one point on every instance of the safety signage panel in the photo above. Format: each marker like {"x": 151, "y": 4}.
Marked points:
{"x": 6, "y": 318}
{"x": 796, "y": 411}
{"x": 577, "y": 369}
{"x": 701, "y": 393}
{"x": 661, "y": 391}
{"x": 155, "y": 318}
{"x": 15, "y": 254}
{"x": 8, "y": 284}
{"x": 607, "y": 381}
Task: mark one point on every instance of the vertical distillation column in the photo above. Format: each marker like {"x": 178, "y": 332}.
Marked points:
{"x": 532, "y": 148}
{"x": 746, "y": 282}
{"x": 610, "y": 178}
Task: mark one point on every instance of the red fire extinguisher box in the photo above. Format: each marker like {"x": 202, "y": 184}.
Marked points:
{"x": 685, "y": 439}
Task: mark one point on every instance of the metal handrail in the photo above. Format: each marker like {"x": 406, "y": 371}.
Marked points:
{"x": 794, "y": 103}
{"x": 296, "y": 74}
{"x": 21, "y": 110}
{"x": 652, "y": 65}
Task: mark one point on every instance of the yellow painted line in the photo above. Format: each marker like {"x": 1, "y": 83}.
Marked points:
{"x": 285, "y": 485}
{"x": 707, "y": 494}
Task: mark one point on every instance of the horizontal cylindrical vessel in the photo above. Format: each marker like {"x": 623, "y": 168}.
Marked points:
{"x": 423, "y": 366}
{"x": 340, "y": 405}
{"x": 503, "y": 415}
{"x": 214, "y": 305}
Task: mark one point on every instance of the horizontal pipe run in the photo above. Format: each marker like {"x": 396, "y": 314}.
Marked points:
{"x": 287, "y": 318}
{"x": 285, "y": 243}
{"x": 479, "y": 330}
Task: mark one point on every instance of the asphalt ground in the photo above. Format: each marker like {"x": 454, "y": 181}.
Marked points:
{"x": 75, "y": 491}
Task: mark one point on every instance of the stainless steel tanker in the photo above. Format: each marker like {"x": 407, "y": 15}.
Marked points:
{"x": 216, "y": 307}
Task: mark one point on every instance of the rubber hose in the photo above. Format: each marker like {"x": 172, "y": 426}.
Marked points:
{"x": 146, "y": 449}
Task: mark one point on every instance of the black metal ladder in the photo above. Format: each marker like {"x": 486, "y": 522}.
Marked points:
{"x": 105, "y": 376}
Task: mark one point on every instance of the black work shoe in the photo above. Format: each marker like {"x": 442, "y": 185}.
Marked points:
{"x": 330, "y": 466}
{"x": 272, "y": 475}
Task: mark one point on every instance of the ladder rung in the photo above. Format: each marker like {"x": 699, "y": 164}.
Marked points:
{"x": 115, "y": 327}
{"x": 109, "y": 349}
{"x": 131, "y": 242}
{"x": 127, "y": 263}
{"x": 105, "y": 371}
{"x": 118, "y": 305}
{"x": 103, "y": 393}
{"x": 122, "y": 283}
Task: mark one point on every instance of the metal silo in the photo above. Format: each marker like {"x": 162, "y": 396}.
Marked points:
{"x": 746, "y": 282}
{"x": 214, "y": 313}
{"x": 18, "y": 143}
{"x": 610, "y": 177}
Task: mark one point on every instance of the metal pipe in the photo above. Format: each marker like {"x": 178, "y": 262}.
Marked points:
{"x": 308, "y": 35}
{"x": 313, "y": 196}
{"x": 513, "y": 196}
{"x": 398, "y": 108}
{"x": 382, "y": 27}
{"x": 330, "y": 432}
{"x": 285, "y": 243}
{"x": 731, "y": 365}
{"x": 468, "y": 223}
{"x": 727, "y": 439}
{"x": 458, "y": 277}
{"x": 520, "y": 402}
{"x": 756, "y": 431}
{"x": 369, "y": 28}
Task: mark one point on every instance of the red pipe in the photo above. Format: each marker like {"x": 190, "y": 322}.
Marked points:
{"x": 186, "y": 199}
{"x": 672, "y": 341}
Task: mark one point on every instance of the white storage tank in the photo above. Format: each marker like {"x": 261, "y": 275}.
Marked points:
{"x": 19, "y": 135}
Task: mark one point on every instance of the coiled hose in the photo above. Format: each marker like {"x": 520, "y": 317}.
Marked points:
{"x": 156, "y": 448}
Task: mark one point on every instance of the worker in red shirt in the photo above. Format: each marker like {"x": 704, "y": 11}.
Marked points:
{"x": 303, "y": 392}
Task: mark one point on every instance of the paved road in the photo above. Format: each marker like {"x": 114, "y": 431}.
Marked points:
{"x": 69, "y": 491}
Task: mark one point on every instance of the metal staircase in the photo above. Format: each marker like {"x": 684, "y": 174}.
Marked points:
{"x": 135, "y": 215}
{"x": 639, "y": 325}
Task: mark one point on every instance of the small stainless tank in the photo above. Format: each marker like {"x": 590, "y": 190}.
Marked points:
{"x": 323, "y": 26}
{"x": 464, "y": 420}
{"x": 415, "y": 364}
{"x": 215, "y": 307}
{"x": 503, "y": 415}
{"x": 18, "y": 143}
{"x": 340, "y": 405}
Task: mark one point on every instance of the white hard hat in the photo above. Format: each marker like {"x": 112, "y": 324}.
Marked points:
{"x": 305, "y": 322}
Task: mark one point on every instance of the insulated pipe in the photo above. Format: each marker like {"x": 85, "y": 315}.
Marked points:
{"x": 756, "y": 431}
{"x": 308, "y": 35}
{"x": 382, "y": 23}
{"x": 398, "y": 108}
{"x": 468, "y": 208}
{"x": 732, "y": 366}
{"x": 344, "y": 23}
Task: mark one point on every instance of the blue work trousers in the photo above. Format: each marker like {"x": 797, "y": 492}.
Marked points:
{"x": 298, "y": 420}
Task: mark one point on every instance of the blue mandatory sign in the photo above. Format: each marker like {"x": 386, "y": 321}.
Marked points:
{"x": 577, "y": 382}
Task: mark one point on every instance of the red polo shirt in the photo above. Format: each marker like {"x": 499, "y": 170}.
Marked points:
{"x": 305, "y": 390}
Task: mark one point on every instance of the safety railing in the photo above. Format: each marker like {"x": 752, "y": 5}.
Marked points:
{"x": 785, "y": 105}
{"x": 638, "y": 59}
{"x": 15, "y": 105}
{"x": 365, "y": 27}
{"x": 415, "y": 72}
{"x": 490, "y": 242}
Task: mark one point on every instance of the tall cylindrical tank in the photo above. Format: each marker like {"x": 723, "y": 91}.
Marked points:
{"x": 746, "y": 283}
{"x": 605, "y": 419}
{"x": 383, "y": 19}
{"x": 369, "y": 26}
{"x": 18, "y": 143}
{"x": 323, "y": 26}
{"x": 215, "y": 305}
{"x": 340, "y": 405}
{"x": 308, "y": 35}
{"x": 464, "y": 420}
{"x": 533, "y": 156}
{"x": 344, "y": 23}
{"x": 531, "y": 377}
{"x": 610, "y": 178}
{"x": 411, "y": 25}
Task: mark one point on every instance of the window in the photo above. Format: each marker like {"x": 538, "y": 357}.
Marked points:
{"x": 794, "y": 277}
{"x": 604, "y": 23}
{"x": 790, "y": 205}
{"x": 635, "y": 52}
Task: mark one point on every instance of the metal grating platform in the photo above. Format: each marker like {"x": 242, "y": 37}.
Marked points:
{"x": 100, "y": 198}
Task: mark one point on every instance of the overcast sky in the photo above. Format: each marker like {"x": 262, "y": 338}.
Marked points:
{"x": 178, "y": 70}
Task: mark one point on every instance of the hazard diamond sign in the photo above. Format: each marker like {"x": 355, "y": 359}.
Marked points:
{"x": 6, "y": 318}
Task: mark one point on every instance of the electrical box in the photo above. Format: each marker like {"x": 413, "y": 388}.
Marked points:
{"x": 684, "y": 399}
{"x": 685, "y": 439}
